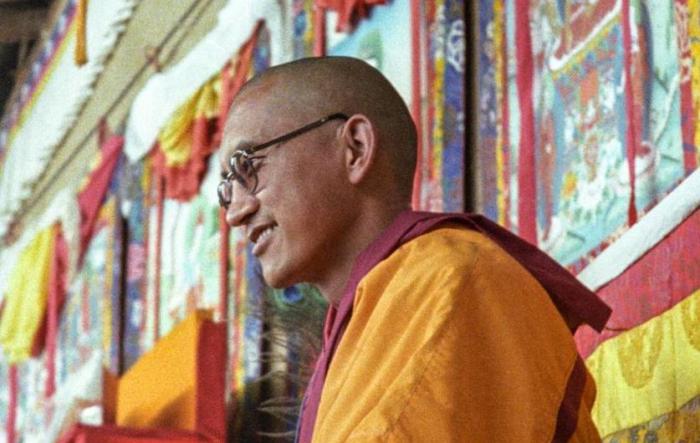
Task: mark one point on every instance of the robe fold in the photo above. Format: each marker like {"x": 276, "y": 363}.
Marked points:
{"x": 453, "y": 334}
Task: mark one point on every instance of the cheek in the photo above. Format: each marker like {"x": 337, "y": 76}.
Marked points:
{"x": 305, "y": 191}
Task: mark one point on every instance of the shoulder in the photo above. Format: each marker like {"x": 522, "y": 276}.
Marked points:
{"x": 452, "y": 270}
{"x": 449, "y": 253}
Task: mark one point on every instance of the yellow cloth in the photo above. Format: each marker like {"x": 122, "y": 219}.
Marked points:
{"x": 450, "y": 340}
{"x": 648, "y": 371}
{"x": 176, "y": 137}
{"x": 25, "y": 301}
{"x": 80, "y": 54}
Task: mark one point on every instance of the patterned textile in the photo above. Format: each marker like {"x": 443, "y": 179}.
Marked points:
{"x": 134, "y": 184}
{"x": 441, "y": 165}
{"x": 689, "y": 16}
{"x": 86, "y": 323}
{"x": 295, "y": 317}
{"x": 650, "y": 370}
{"x": 682, "y": 425}
{"x": 303, "y": 12}
{"x": 585, "y": 114}
{"x": 189, "y": 271}
{"x": 84, "y": 330}
{"x": 491, "y": 128}
{"x": 34, "y": 414}
{"x": 246, "y": 314}
{"x": 646, "y": 363}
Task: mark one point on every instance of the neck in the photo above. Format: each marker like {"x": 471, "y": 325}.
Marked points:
{"x": 365, "y": 229}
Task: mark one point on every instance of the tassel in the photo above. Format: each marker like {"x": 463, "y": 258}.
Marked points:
{"x": 80, "y": 34}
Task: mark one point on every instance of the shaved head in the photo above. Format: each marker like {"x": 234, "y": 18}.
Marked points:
{"x": 323, "y": 188}
{"x": 314, "y": 87}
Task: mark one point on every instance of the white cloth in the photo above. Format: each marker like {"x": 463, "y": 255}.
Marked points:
{"x": 57, "y": 104}
{"x": 166, "y": 91}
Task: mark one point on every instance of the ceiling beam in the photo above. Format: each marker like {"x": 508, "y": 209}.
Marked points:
{"x": 21, "y": 23}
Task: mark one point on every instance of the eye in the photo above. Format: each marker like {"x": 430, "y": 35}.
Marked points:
{"x": 252, "y": 164}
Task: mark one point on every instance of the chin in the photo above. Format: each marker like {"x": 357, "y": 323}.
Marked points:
{"x": 277, "y": 278}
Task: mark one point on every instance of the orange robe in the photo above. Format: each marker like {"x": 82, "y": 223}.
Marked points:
{"x": 451, "y": 339}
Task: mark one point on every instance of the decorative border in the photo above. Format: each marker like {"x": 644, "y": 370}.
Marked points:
{"x": 642, "y": 236}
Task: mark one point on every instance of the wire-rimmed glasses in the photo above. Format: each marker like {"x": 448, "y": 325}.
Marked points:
{"x": 242, "y": 166}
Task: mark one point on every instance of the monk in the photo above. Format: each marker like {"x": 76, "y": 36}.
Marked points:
{"x": 441, "y": 327}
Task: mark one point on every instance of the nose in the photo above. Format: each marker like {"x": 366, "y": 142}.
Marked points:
{"x": 243, "y": 206}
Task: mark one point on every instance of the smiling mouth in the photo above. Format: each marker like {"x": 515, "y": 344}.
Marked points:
{"x": 260, "y": 234}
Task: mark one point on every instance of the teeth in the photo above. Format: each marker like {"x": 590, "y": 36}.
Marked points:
{"x": 264, "y": 234}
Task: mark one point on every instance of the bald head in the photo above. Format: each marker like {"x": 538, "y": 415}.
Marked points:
{"x": 314, "y": 87}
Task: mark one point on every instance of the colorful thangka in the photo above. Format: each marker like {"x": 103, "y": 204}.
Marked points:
{"x": 444, "y": 175}
{"x": 615, "y": 94}
{"x": 134, "y": 185}
{"x": 599, "y": 141}
{"x": 303, "y": 16}
{"x": 86, "y": 323}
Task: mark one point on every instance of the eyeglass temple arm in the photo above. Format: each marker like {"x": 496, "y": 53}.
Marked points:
{"x": 295, "y": 133}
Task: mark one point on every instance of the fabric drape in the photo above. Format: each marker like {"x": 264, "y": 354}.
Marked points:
{"x": 93, "y": 192}
{"x": 25, "y": 302}
{"x": 350, "y": 12}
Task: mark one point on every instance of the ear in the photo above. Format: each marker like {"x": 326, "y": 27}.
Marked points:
{"x": 360, "y": 140}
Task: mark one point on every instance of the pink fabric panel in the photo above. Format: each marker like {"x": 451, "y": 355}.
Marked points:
{"x": 527, "y": 192}
{"x": 659, "y": 280}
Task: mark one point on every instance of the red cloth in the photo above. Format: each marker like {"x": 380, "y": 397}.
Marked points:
{"x": 115, "y": 434}
{"x": 659, "y": 280}
{"x": 12, "y": 406}
{"x": 233, "y": 78}
{"x": 91, "y": 197}
{"x": 182, "y": 182}
{"x": 350, "y": 12}
{"x": 57, "y": 296}
{"x": 527, "y": 191}
{"x": 631, "y": 135}
{"x": 211, "y": 381}
{"x": 225, "y": 231}
{"x": 160, "y": 185}
{"x": 574, "y": 301}
{"x": 319, "y": 18}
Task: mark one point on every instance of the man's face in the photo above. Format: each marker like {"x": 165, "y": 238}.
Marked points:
{"x": 295, "y": 219}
